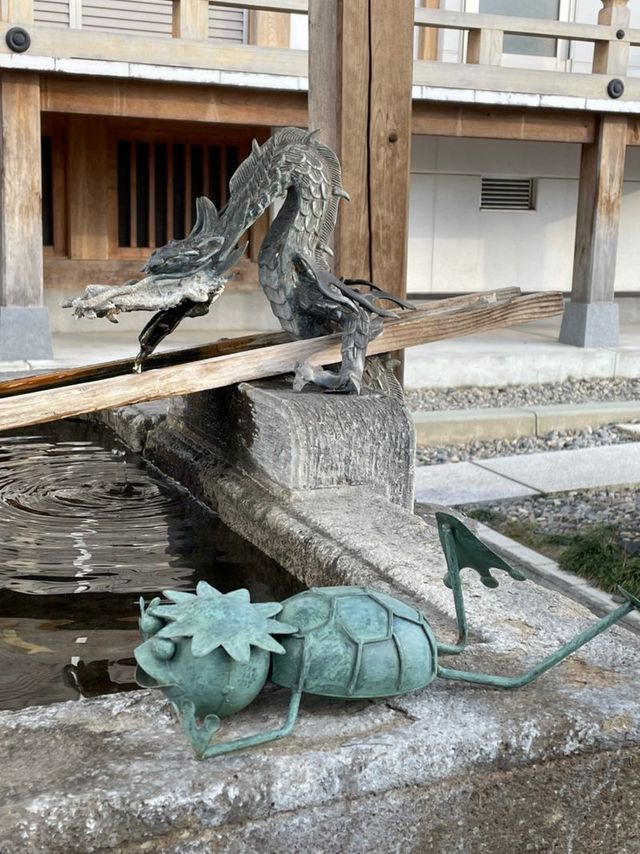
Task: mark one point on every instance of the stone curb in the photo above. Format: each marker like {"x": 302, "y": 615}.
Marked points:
{"x": 546, "y": 572}
{"x": 466, "y": 425}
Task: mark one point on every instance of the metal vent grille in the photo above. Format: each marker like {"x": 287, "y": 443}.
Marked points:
{"x": 507, "y": 194}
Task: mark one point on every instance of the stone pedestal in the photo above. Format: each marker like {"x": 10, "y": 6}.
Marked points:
{"x": 299, "y": 442}
{"x": 590, "y": 324}
{"x": 24, "y": 333}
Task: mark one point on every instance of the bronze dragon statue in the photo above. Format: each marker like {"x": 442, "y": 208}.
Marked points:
{"x": 184, "y": 277}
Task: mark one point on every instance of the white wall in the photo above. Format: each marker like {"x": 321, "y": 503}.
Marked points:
{"x": 454, "y": 246}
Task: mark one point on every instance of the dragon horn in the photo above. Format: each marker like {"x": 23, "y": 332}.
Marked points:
{"x": 255, "y": 147}
{"x": 206, "y": 217}
{"x": 312, "y": 135}
{"x": 341, "y": 193}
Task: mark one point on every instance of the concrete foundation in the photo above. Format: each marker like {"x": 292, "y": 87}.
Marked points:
{"x": 453, "y": 768}
{"x": 594, "y": 324}
{"x": 24, "y": 333}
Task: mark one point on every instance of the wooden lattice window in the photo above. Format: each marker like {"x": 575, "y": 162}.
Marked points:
{"x": 54, "y": 191}
{"x": 159, "y": 182}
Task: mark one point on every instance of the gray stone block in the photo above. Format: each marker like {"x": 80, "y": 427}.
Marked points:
{"x": 592, "y": 324}
{"x": 305, "y": 441}
{"x": 24, "y": 333}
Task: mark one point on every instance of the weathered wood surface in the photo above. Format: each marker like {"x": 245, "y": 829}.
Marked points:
{"x": 61, "y": 43}
{"x": 146, "y": 100}
{"x": 412, "y": 328}
{"x": 21, "y": 270}
{"x": 339, "y": 60}
{"x": 88, "y": 211}
{"x": 484, "y": 122}
{"x": 599, "y": 200}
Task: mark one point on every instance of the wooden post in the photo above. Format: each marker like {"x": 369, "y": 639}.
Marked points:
{"x": 16, "y": 11}
{"x": 87, "y": 188}
{"x": 339, "y": 82}
{"x": 20, "y": 190}
{"x": 360, "y": 77}
{"x": 484, "y": 47}
{"x": 613, "y": 57}
{"x": 428, "y": 36}
{"x": 591, "y": 318}
{"x": 24, "y": 328}
{"x": 190, "y": 19}
{"x": 269, "y": 29}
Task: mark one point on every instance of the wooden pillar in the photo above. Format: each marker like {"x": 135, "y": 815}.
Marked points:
{"x": 190, "y": 19}
{"x": 360, "y": 73}
{"x": 20, "y": 190}
{"x": 87, "y": 188}
{"x": 591, "y": 317}
{"x": 24, "y": 327}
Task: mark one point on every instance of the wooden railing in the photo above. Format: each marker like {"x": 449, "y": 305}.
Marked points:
{"x": 484, "y": 69}
{"x": 607, "y": 87}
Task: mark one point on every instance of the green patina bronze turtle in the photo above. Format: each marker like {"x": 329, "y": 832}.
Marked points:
{"x": 211, "y": 653}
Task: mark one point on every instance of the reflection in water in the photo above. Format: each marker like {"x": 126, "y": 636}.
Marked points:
{"x": 85, "y": 530}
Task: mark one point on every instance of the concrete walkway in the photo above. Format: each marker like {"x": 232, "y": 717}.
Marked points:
{"x": 529, "y": 474}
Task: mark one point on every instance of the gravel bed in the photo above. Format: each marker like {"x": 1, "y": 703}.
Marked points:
{"x": 571, "y": 512}
{"x": 554, "y": 441}
{"x": 475, "y": 397}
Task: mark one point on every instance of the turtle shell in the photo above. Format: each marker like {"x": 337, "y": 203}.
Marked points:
{"x": 354, "y": 642}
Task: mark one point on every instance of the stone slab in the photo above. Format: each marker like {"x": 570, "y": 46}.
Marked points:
{"x": 24, "y": 333}
{"x": 465, "y": 483}
{"x": 559, "y": 471}
{"x": 466, "y": 425}
{"x": 580, "y": 415}
{"x": 630, "y": 429}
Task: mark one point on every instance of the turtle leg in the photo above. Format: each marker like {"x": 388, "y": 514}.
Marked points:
{"x": 259, "y": 738}
{"x": 551, "y": 660}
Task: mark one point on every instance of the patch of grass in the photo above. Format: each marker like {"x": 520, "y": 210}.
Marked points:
{"x": 523, "y": 531}
{"x": 595, "y": 553}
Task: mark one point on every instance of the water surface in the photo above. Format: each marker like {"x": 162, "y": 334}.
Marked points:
{"x": 85, "y": 530}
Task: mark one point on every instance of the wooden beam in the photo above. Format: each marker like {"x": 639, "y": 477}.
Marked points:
{"x": 599, "y": 198}
{"x": 142, "y": 51}
{"x": 450, "y": 75}
{"x": 339, "y": 61}
{"x": 175, "y": 101}
{"x": 20, "y": 190}
{"x": 463, "y": 120}
{"x": 190, "y": 19}
{"x": 514, "y": 25}
{"x": 300, "y": 7}
{"x": 88, "y": 221}
{"x": 412, "y": 328}
{"x": 223, "y": 347}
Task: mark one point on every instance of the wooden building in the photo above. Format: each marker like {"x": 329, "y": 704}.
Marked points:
{"x": 117, "y": 114}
